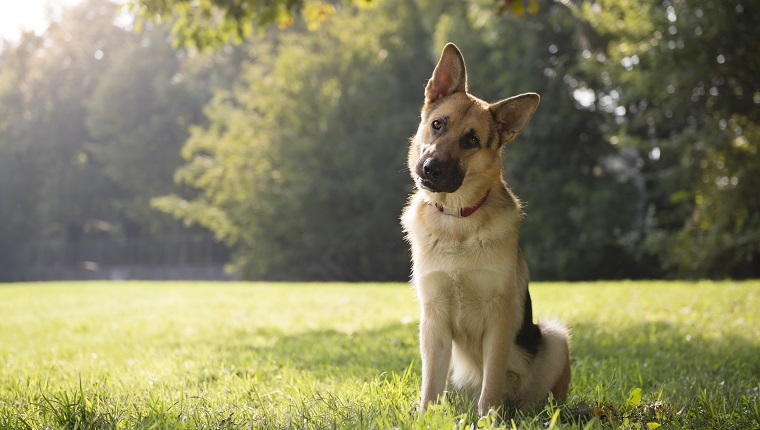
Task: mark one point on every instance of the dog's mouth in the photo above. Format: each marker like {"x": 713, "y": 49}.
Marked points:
{"x": 431, "y": 186}
{"x": 427, "y": 185}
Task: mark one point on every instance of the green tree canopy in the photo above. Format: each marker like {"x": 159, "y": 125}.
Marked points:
{"x": 46, "y": 171}
{"x": 641, "y": 161}
{"x": 301, "y": 165}
{"x": 212, "y": 23}
{"x": 578, "y": 209}
{"x": 679, "y": 81}
{"x": 92, "y": 118}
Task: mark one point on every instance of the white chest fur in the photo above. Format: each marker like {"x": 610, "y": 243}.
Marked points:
{"x": 487, "y": 240}
{"x": 463, "y": 266}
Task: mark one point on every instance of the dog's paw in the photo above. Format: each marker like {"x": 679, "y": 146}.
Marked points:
{"x": 485, "y": 406}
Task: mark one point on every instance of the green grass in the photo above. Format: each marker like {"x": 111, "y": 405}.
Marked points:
{"x": 238, "y": 355}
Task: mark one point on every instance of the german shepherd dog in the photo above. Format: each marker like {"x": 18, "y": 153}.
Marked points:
{"x": 471, "y": 278}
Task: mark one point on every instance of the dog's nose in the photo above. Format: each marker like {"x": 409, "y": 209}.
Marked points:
{"x": 432, "y": 169}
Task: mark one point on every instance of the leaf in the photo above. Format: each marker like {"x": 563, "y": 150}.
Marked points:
{"x": 518, "y": 8}
{"x": 634, "y": 399}
{"x": 553, "y": 422}
{"x": 653, "y": 425}
{"x": 533, "y": 7}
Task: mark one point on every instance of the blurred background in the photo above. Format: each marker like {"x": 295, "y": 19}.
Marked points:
{"x": 246, "y": 139}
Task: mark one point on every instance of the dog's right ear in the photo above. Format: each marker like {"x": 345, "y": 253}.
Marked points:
{"x": 449, "y": 75}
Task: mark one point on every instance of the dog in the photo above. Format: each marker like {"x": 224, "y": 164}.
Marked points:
{"x": 476, "y": 325}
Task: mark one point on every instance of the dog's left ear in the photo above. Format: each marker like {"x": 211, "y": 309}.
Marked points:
{"x": 512, "y": 115}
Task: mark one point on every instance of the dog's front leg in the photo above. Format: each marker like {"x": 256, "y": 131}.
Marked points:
{"x": 434, "y": 291}
{"x": 435, "y": 348}
{"x": 496, "y": 349}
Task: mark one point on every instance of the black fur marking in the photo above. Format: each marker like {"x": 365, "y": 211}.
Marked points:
{"x": 529, "y": 336}
{"x": 493, "y": 137}
{"x": 469, "y": 140}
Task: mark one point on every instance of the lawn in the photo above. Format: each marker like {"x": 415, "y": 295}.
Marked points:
{"x": 254, "y": 355}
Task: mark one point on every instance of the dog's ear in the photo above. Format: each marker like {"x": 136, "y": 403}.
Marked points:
{"x": 449, "y": 75}
{"x": 512, "y": 115}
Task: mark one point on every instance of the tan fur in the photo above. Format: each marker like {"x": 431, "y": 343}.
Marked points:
{"x": 470, "y": 276}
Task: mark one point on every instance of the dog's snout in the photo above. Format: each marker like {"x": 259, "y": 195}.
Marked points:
{"x": 439, "y": 175}
{"x": 432, "y": 169}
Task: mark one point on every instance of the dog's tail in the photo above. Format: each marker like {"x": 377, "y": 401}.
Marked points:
{"x": 551, "y": 367}
{"x": 557, "y": 336}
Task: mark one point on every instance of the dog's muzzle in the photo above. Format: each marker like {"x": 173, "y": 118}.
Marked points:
{"x": 439, "y": 176}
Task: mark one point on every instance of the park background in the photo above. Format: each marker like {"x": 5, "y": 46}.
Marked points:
{"x": 268, "y": 137}
{"x": 269, "y": 142}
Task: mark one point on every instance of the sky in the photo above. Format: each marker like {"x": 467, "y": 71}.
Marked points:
{"x": 19, "y": 15}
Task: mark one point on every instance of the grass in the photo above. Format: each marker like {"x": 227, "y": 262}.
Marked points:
{"x": 238, "y": 355}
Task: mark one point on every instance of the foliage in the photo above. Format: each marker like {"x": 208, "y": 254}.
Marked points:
{"x": 300, "y": 166}
{"x": 577, "y": 209}
{"x": 244, "y": 159}
{"x": 208, "y": 24}
{"x": 681, "y": 84}
{"x": 93, "y": 118}
{"x": 238, "y": 355}
{"x": 642, "y": 160}
{"x": 144, "y": 128}
{"x": 46, "y": 171}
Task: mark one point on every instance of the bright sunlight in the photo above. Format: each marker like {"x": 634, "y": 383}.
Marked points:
{"x": 29, "y": 15}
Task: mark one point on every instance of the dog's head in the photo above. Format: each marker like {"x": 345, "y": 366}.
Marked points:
{"x": 460, "y": 137}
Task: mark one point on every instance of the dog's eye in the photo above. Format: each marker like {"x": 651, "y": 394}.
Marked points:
{"x": 469, "y": 140}
{"x": 437, "y": 124}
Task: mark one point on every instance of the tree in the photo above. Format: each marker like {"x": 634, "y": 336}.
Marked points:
{"x": 47, "y": 173}
{"x": 15, "y": 198}
{"x": 212, "y": 23}
{"x": 578, "y": 208}
{"x": 680, "y": 82}
{"x": 136, "y": 142}
{"x": 301, "y": 165}
{"x": 92, "y": 117}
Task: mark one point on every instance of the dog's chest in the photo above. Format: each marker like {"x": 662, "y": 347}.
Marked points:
{"x": 455, "y": 247}
{"x": 459, "y": 248}
{"x": 472, "y": 297}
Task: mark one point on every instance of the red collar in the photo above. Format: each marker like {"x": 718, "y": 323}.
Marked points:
{"x": 465, "y": 212}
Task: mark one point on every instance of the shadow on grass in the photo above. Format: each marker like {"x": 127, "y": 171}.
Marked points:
{"x": 653, "y": 356}
{"x": 331, "y": 354}
{"x": 686, "y": 377}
